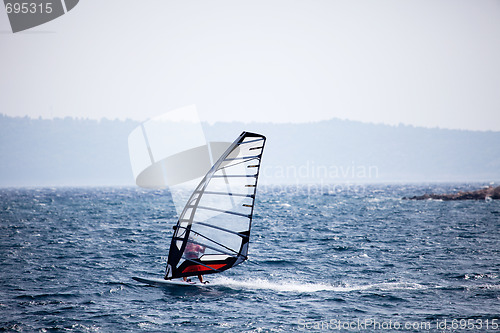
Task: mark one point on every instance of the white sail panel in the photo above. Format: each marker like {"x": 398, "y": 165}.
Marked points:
{"x": 171, "y": 151}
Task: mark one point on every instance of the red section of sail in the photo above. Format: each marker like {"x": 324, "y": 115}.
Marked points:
{"x": 200, "y": 268}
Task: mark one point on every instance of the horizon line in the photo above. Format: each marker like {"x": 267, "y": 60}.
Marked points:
{"x": 400, "y": 124}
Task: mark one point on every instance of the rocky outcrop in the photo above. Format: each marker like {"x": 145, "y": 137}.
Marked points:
{"x": 482, "y": 194}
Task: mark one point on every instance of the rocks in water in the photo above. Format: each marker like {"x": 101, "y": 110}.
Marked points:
{"x": 482, "y": 194}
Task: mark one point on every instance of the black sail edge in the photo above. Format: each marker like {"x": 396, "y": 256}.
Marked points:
{"x": 213, "y": 230}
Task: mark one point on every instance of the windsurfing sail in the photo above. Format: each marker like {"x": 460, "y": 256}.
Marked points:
{"x": 213, "y": 230}
{"x": 171, "y": 150}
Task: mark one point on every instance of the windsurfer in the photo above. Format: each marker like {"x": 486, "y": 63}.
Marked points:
{"x": 194, "y": 251}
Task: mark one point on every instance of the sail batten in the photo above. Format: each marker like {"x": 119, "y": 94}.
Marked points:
{"x": 251, "y": 141}
{"x": 230, "y": 194}
{"x": 213, "y": 248}
{"x": 218, "y": 250}
{"x": 234, "y": 176}
{"x": 241, "y": 158}
{"x": 223, "y": 211}
{"x": 222, "y": 229}
{"x": 213, "y": 230}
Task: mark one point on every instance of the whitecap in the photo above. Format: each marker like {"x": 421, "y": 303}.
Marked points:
{"x": 306, "y": 287}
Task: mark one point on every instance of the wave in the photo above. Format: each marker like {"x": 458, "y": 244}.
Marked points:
{"x": 47, "y": 296}
{"x": 304, "y": 287}
{"x": 311, "y": 287}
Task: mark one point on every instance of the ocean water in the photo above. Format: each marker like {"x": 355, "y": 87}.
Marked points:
{"x": 344, "y": 258}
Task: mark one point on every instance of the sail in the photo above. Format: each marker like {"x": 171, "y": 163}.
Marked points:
{"x": 170, "y": 150}
{"x": 213, "y": 230}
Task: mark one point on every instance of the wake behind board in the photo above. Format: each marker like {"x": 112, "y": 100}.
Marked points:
{"x": 162, "y": 282}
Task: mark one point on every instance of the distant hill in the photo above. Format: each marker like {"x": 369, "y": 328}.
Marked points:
{"x": 356, "y": 151}
{"x": 40, "y": 152}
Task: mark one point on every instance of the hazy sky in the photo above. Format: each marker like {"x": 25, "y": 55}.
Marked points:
{"x": 425, "y": 63}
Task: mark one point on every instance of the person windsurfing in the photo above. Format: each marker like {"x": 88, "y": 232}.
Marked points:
{"x": 193, "y": 251}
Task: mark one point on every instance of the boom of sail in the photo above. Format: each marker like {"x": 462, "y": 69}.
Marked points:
{"x": 213, "y": 230}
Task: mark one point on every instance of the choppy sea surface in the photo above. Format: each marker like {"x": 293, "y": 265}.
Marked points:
{"x": 343, "y": 258}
